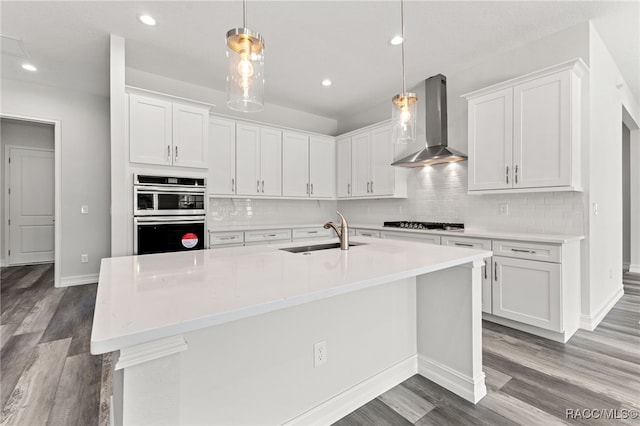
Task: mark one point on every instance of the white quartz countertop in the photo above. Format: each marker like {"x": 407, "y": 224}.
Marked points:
{"x": 149, "y": 297}
{"x": 494, "y": 235}
{"x": 476, "y": 233}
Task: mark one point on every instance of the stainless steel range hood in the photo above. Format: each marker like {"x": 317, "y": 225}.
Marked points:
{"x": 436, "y": 150}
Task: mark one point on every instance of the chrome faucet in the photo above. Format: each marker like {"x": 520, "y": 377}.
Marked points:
{"x": 343, "y": 233}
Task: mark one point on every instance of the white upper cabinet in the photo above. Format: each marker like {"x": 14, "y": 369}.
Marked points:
{"x": 524, "y": 134}
{"x": 222, "y": 157}
{"x": 307, "y": 166}
{"x": 167, "y": 133}
{"x": 343, "y": 167}
{"x": 371, "y": 175}
{"x": 322, "y": 169}
{"x": 258, "y": 160}
{"x": 295, "y": 165}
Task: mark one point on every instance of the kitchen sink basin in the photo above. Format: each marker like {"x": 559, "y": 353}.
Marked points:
{"x": 306, "y": 249}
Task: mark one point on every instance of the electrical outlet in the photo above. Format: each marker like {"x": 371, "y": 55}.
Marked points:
{"x": 84, "y": 209}
{"x": 503, "y": 209}
{"x": 84, "y": 258}
{"x": 319, "y": 354}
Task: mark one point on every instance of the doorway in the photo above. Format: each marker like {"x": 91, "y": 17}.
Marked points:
{"x": 30, "y": 208}
{"x": 626, "y": 197}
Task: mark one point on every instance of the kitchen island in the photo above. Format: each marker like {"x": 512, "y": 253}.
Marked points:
{"x": 230, "y": 336}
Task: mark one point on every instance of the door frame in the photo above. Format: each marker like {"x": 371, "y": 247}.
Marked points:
{"x": 57, "y": 210}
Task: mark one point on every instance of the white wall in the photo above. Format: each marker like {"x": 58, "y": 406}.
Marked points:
{"x": 604, "y": 178}
{"x": 23, "y": 134}
{"x": 272, "y": 114}
{"x": 626, "y": 197}
{"x": 85, "y": 168}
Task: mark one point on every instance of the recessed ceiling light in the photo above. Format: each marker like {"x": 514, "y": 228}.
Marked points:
{"x": 29, "y": 67}
{"x": 397, "y": 40}
{"x": 326, "y": 82}
{"x": 147, "y": 20}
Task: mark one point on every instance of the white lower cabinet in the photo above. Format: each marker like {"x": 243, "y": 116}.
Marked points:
{"x": 254, "y": 238}
{"x": 528, "y": 291}
{"x": 226, "y": 239}
{"x": 309, "y": 234}
{"x": 407, "y": 236}
{"x": 478, "y": 244}
{"x": 367, "y": 233}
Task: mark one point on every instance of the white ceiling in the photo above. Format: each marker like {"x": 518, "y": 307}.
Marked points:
{"x": 306, "y": 41}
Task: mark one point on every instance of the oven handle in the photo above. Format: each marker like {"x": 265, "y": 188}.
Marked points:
{"x": 169, "y": 189}
{"x": 177, "y": 220}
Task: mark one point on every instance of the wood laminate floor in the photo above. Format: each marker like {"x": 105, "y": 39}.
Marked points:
{"x": 48, "y": 377}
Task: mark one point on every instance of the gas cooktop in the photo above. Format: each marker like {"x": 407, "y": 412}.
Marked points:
{"x": 425, "y": 225}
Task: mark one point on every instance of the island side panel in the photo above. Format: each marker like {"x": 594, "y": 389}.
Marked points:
{"x": 449, "y": 321}
{"x": 260, "y": 370}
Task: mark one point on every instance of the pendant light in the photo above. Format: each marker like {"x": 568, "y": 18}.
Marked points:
{"x": 245, "y": 78}
{"x": 405, "y": 105}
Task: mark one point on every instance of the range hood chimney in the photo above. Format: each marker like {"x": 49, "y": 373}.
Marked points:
{"x": 436, "y": 150}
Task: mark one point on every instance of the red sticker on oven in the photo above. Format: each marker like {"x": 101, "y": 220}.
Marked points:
{"x": 189, "y": 240}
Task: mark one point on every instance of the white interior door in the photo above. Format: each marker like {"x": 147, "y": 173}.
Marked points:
{"x": 31, "y": 206}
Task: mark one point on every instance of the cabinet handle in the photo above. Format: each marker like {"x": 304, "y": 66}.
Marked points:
{"x": 486, "y": 266}
{"x": 269, "y": 235}
{"x": 368, "y": 183}
{"x": 228, "y": 238}
{"x": 312, "y": 232}
{"x": 307, "y": 189}
{"x": 257, "y": 186}
{"x": 507, "y": 174}
{"x": 263, "y": 187}
{"x": 176, "y": 154}
{"x": 233, "y": 184}
{"x": 495, "y": 271}
{"x": 372, "y": 187}
{"x": 349, "y": 188}
{"x": 516, "y": 174}
{"x": 311, "y": 189}
{"x": 463, "y": 244}
{"x": 168, "y": 152}
{"x": 524, "y": 251}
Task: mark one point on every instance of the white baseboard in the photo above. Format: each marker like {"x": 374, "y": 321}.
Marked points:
{"x": 78, "y": 280}
{"x": 590, "y": 322}
{"x": 634, "y": 268}
{"x": 344, "y": 403}
{"x": 470, "y": 388}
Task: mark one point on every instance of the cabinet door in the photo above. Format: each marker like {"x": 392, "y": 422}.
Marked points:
{"x": 382, "y": 173}
{"x": 295, "y": 165}
{"x": 247, "y": 159}
{"x": 322, "y": 167}
{"x": 150, "y": 131}
{"x": 222, "y": 157}
{"x": 527, "y": 291}
{"x": 491, "y": 141}
{"x": 542, "y": 139}
{"x": 360, "y": 163}
{"x": 343, "y": 165}
{"x": 412, "y": 236}
{"x": 270, "y": 162}
{"x": 190, "y": 136}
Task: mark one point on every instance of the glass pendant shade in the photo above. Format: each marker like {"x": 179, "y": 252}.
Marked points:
{"x": 245, "y": 78}
{"x": 403, "y": 118}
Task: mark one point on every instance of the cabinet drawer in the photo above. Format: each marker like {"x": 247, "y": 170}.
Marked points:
{"x": 466, "y": 242}
{"x": 223, "y": 238}
{"x": 527, "y": 250}
{"x": 269, "y": 235}
{"x": 412, "y": 236}
{"x": 318, "y": 232}
{"x": 367, "y": 233}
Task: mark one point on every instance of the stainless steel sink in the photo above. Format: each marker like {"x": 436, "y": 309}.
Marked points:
{"x": 306, "y": 249}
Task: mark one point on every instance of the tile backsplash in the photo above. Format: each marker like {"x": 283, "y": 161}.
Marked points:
{"x": 251, "y": 212}
{"x": 435, "y": 194}
{"x": 439, "y": 194}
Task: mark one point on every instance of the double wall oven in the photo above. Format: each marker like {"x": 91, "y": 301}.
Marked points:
{"x": 168, "y": 214}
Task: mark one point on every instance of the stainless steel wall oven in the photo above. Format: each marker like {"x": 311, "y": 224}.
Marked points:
{"x": 168, "y": 214}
